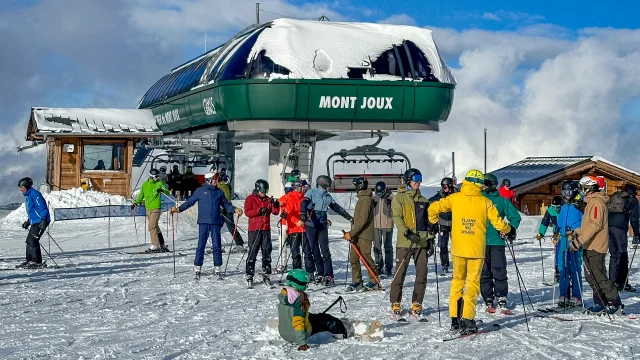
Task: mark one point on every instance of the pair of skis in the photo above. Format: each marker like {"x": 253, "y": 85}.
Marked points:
{"x": 266, "y": 280}
{"x": 482, "y": 329}
{"x": 406, "y": 314}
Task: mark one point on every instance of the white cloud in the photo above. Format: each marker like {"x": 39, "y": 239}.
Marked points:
{"x": 399, "y": 19}
{"x": 490, "y": 16}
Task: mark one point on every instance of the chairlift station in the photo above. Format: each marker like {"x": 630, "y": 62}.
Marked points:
{"x": 290, "y": 83}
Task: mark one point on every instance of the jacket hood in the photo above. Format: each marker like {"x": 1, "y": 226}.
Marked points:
{"x": 597, "y": 195}
{"x": 411, "y": 192}
{"x": 470, "y": 189}
{"x": 366, "y": 192}
{"x": 492, "y": 194}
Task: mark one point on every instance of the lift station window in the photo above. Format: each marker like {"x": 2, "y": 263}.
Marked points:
{"x": 103, "y": 157}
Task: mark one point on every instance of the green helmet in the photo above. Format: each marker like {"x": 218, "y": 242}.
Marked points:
{"x": 298, "y": 279}
{"x": 491, "y": 182}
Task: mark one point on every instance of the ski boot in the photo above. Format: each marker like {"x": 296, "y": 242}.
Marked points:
{"x": 491, "y": 309}
{"x": 575, "y": 302}
{"x": 238, "y": 249}
{"x": 616, "y": 310}
{"x": 563, "y": 302}
{"x": 629, "y": 288}
{"x": 35, "y": 265}
{"x": 281, "y": 269}
{"x": 445, "y": 271}
{"x": 198, "y": 272}
{"x": 371, "y": 286}
{"x": 468, "y": 327}
{"x": 266, "y": 280}
{"x": 455, "y": 325}
{"x": 328, "y": 281}
{"x": 396, "y": 309}
{"x": 416, "y": 308}
{"x": 355, "y": 287}
{"x": 217, "y": 271}
{"x": 595, "y": 310}
{"x": 319, "y": 280}
{"x": 388, "y": 272}
{"x": 153, "y": 250}
{"x": 249, "y": 280}
{"x": 22, "y": 264}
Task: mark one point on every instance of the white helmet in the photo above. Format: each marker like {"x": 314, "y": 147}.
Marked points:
{"x": 209, "y": 176}
{"x": 589, "y": 183}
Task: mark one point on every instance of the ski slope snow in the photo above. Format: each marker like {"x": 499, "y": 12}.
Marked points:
{"x": 125, "y": 306}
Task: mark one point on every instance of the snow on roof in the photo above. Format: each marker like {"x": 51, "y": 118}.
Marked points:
{"x": 295, "y": 44}
{"x": 94, "y": 121}
{"x": 601, "y": 159}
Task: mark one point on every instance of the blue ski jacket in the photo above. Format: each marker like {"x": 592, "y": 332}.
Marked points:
{"x": 569, "y": 216}
{"x": 36, "y": 205}
{"x": 314, "y": 207}
{"x": 209, "y": 199}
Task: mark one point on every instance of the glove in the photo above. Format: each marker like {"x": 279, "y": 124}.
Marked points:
{"x": 283, "y": 214}
{"x": 346, "y": 235}
{"x": 303, "y": 218}
{"x": 511, "y": 235}
{"x": 555, "y": 238}
{"x": 329, "y": 222}
{"x": 432, "y": 229}
{"x": 238, "y": 211}
{"x": 431, "y": 249}
{"x": 539, "y": 236}
{"x": 574, "y": 243}
{"x": 263, "y": 211}
{"x": 299, "y": 223}
{"x": 413, "y": 237}
{"x": 25, "y": 225}
{"x": 174, "y": 210}
{"x": 304, "y": 347}
{"x": 133, "y": 206}
{"x": 636, "y": 240}
{"x": 160, "y": 191}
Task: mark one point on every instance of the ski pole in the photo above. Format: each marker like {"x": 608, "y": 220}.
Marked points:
{"x": 133, "y": 211}
{"x": 524, "y": 307}
{"x": 281, "y": 246}
{"x": 435, "y": 270}
{"x": 626, "y": 281}
{"x": 252, "y": 245}
{"x": 226, "y": 265}
{"x": 236, "y": 224}
{"x": 542, "y": 259}
{"x": 519, "y": 276}
{"x": 346, "y": 272}
{"x": 173, "y": 239}
{"x": 398, "y": 268}
{"x": 594, "y": 283}
{"x": 45, "y": 250}
{"x": 371, "y": 272}
{"x": 342, "y": 302}
{"x": 65, "y": 254}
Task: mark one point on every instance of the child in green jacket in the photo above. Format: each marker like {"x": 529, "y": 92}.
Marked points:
{"x": 295, "y": 323}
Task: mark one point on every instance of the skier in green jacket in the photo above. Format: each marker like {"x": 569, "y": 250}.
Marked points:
{"x": 551, "y": 218}
{"x": 151, "y": 195}
{"x": 493, "y": 282}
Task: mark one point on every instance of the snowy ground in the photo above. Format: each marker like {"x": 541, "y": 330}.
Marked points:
{"x": 116, "y": 305}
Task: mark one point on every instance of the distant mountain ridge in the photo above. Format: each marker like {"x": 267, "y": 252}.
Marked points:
{"x": 11, "y": 206}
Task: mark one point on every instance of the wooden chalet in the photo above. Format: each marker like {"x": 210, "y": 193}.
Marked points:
{"x": 536, "y": 180}
{"x": 90, "y": 147}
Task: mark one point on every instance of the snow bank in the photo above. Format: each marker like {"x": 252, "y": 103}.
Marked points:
{"x": 72, "y": 198}
{"x": 319, "y": 49}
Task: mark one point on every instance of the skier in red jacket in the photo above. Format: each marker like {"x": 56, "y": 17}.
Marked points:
{"x": 258, "y": 208}
{"x": 506, "y": 192}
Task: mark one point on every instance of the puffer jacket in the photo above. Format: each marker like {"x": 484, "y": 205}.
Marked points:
{"x": 593, "y": 233}
{"x": 570, "y": 216}
{"x": 252, "y": 206}
{"x": 150, "y": 196}
{"x": 471, "y": 212}
{"x": 445, "y": 217}
{"x": 383, "y": 218}
{"x": 37, "y": 209}
{"x": 363, "y": 217}
{"x": 293, "y": 322}
{"x": 315, "y": 205}
{"x": 507, "y": 194}
{"x": 410, "y": 212}
{"x": 505, "y": 209}
{"x": 292, "y": 208}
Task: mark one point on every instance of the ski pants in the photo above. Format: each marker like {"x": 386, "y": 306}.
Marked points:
{"x": 231, "y": 226}
{"x": 604, "y": 291}
{"x": 295, "y": 241}
{"x": 285, "y": 245}
{"x": 326, "y": 322}
{"x": 33, "y": 252}
{"x": 153, "y": 227}
{"x": 443, "y": 244}
{"x": 309, "y": 260}
{"x": 259, "y": 240}
{"x": 493, "y": 281}
{"x": 364, "y": 246}
{"x": 421, "y": 262}
{"x": 204, "y": 231}
{"x": 319, "y": 244}
{"x": 570, "y": 271}
{"x": 466, "y": 271}
{"x": 619, "y": 257}
{"x": 383, "y": 237}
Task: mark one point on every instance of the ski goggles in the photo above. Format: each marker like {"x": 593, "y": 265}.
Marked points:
{"x": 154, "y": 177}
{"x": 416, "y": 178}
{"x": 567, "y": 194}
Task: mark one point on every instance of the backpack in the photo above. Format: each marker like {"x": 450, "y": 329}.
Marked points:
{"x": 616, "y": 203}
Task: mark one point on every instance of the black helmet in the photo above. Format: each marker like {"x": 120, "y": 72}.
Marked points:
{"x": 446, "y": 182}
{"x": 189, "y": 169}
{"x": 491, "y": 182}
{"x": 154, "y": 173}
{"x": 631, "y": 190}
{"x": 262, "y": 186}
{"x": 360, "y": 183}
{"x": 26, "y": 182}
{"x": 163, "y": 168}
{"x": 570, "y": 189}
{"x": 412, "y": 174}
{"x": 381, "y": 188}
{"x": 295, "y": 173}
{"x": 323, "y": 181}
{"x": 506, "y": 182}
{"x": 556, "y": 201}
{"x": 224, "y": 178}
{"x": 175, "y": 167}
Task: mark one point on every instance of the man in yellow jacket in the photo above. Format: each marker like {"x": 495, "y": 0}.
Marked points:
{"x": 470, "y": 213}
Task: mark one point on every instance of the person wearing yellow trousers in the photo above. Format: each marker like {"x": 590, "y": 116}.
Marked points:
{"x": 470, "y": 213}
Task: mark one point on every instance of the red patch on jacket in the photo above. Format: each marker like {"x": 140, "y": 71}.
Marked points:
{"x": 595, "y": 212}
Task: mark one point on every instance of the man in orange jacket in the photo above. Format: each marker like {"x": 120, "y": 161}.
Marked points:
{"x": 295, "y": 233}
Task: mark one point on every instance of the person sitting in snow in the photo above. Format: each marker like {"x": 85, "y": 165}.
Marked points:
{"x": 295, "y": 323}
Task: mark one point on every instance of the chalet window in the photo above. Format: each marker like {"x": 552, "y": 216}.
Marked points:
{"x": 103, "y": 157}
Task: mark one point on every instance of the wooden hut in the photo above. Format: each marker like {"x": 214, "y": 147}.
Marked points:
{"x": 536, "y": 180}
{"x": 91, "y": 146}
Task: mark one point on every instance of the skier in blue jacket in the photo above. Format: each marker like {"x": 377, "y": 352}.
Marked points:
{"x": 569, "y": 262}
{"x": 39, "y": 219}
{"x": 209, "y": 198}
{"x": 313, "y": 214}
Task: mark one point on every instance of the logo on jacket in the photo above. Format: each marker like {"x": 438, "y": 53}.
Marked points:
{"x": 421, "y": 206}
{"x": 205, "y": 193}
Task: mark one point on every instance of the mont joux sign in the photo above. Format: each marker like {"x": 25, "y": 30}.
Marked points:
{"x": 352, "y": 102}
